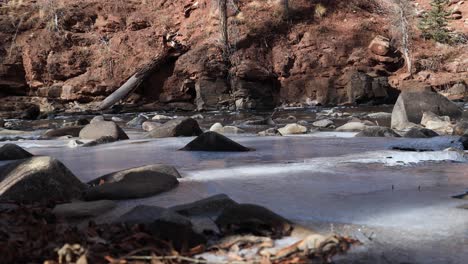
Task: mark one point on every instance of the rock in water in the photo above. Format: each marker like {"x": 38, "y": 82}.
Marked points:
{"x": 132, "y": 183}
{"x": 97, "y": 119}
{"x": 377, "y": 131}
{"x": 73, "y": 131}
{"x": 212, "y": 141}
{"x": 101, "y": 129}
{"x": 253, "y": 219}
{"x": 185, "y": 127}
{"x": 323, "y": 123}
{"x": 83, "y": 209}
{"x": 464, "y": 141}
{"x": 137, "y": 121}
{"x": 13, "y": 152}
{"x": 410, "y": 107}
{"x": 119, "y": 175}
{"x": 352, "y": 127}
{"x": 148, "y": 125}
{"x": 99, "y": 141}
{"x": 38, "y": 179}
{"x": 419, "y": 132}
{"x": 211, "y": 206}
{"x": 292, "y": 129}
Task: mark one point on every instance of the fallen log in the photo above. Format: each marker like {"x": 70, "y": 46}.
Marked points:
{"x": 171, "y": 49}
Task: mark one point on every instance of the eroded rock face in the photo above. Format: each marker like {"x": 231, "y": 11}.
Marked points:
{"x": 38, "y": 179}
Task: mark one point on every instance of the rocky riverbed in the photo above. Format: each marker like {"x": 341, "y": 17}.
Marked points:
{"x": 337, "y": 171}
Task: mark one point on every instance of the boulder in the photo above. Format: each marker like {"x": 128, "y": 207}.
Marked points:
{"x": 252, "y": 219}
{"x": 269, "y": 132}
{"x": 176, "y": 229}
{"x": 101, "y": 129}
{"x": 38, "y": 179}
{"x": 148, "y": 125}
{"x": 212, "y": 141}
{"x": 117, "y": 119}
{"x": 377, "y": 131}
{"x": 352, "y": 127}
{"x": 324, "y": 123}
{"x": 380, "y": 46}
{"x": 165, "y": 225}
{"x": 291, "y": 129}
{"x": 363, "y": 88}
{"x": 99, "y": 141}
{"x": 461, "y": 128}
{"x": 185, "y": 127}
{"x": 73, "y": 131}
{"x": 142, "y": 214}
{"x": 161, "y": 118}
{"x": 83, "y": 209}
{"x": 440, "y": 124}
{"x": 137, "y": 122}
{"x": 410, "y": 107}
{"x": 219, "y": 128}
{"x": 420, "y": 132}
{"x": 464, "y": 141}
{"x": 132, "y": 183}
{"x": 13, "y": 152}
{"x": 96, "y": 119}
{"x": 211, "y": 206}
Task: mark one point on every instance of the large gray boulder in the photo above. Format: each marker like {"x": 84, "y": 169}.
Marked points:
{"x": 38, "y": 179}
{"x": 132, "y": 183}
{"x": 101, "y": 129}
{"x": 13, "y": 152}
{"x": 411, "y": 105}
{"x": 212, "y": 141}
{"x": 180, "y": 127}
{"x": 253, "y": 219}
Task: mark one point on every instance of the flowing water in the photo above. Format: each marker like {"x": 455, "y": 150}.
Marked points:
{"x": 397, "y": 203}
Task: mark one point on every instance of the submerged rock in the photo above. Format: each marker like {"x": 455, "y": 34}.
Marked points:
{"x": 83, "y": 209}
{"x": 13, "y": 152}
{"x": 253, "y": 219}
{"x": 38, "y": 179}
{"x": 377, "y": 131}
{"x": 428, "y": 144}
{"x": 292, "y": 129}
{"x": 212, "y": 141}
{"x": 132, "y": 183}
{"x": 98, "y": 130}
{"x": 73, "y": 131}
{"x": 420, "y": 132}
{"x": 185, "y": 127}
{"x": 211, "y": 206}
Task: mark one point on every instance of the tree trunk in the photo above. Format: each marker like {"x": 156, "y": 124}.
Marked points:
{"x": 404, "y": 26}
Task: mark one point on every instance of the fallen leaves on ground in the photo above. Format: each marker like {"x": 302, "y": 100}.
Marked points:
{"x": 32, "y": 234}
